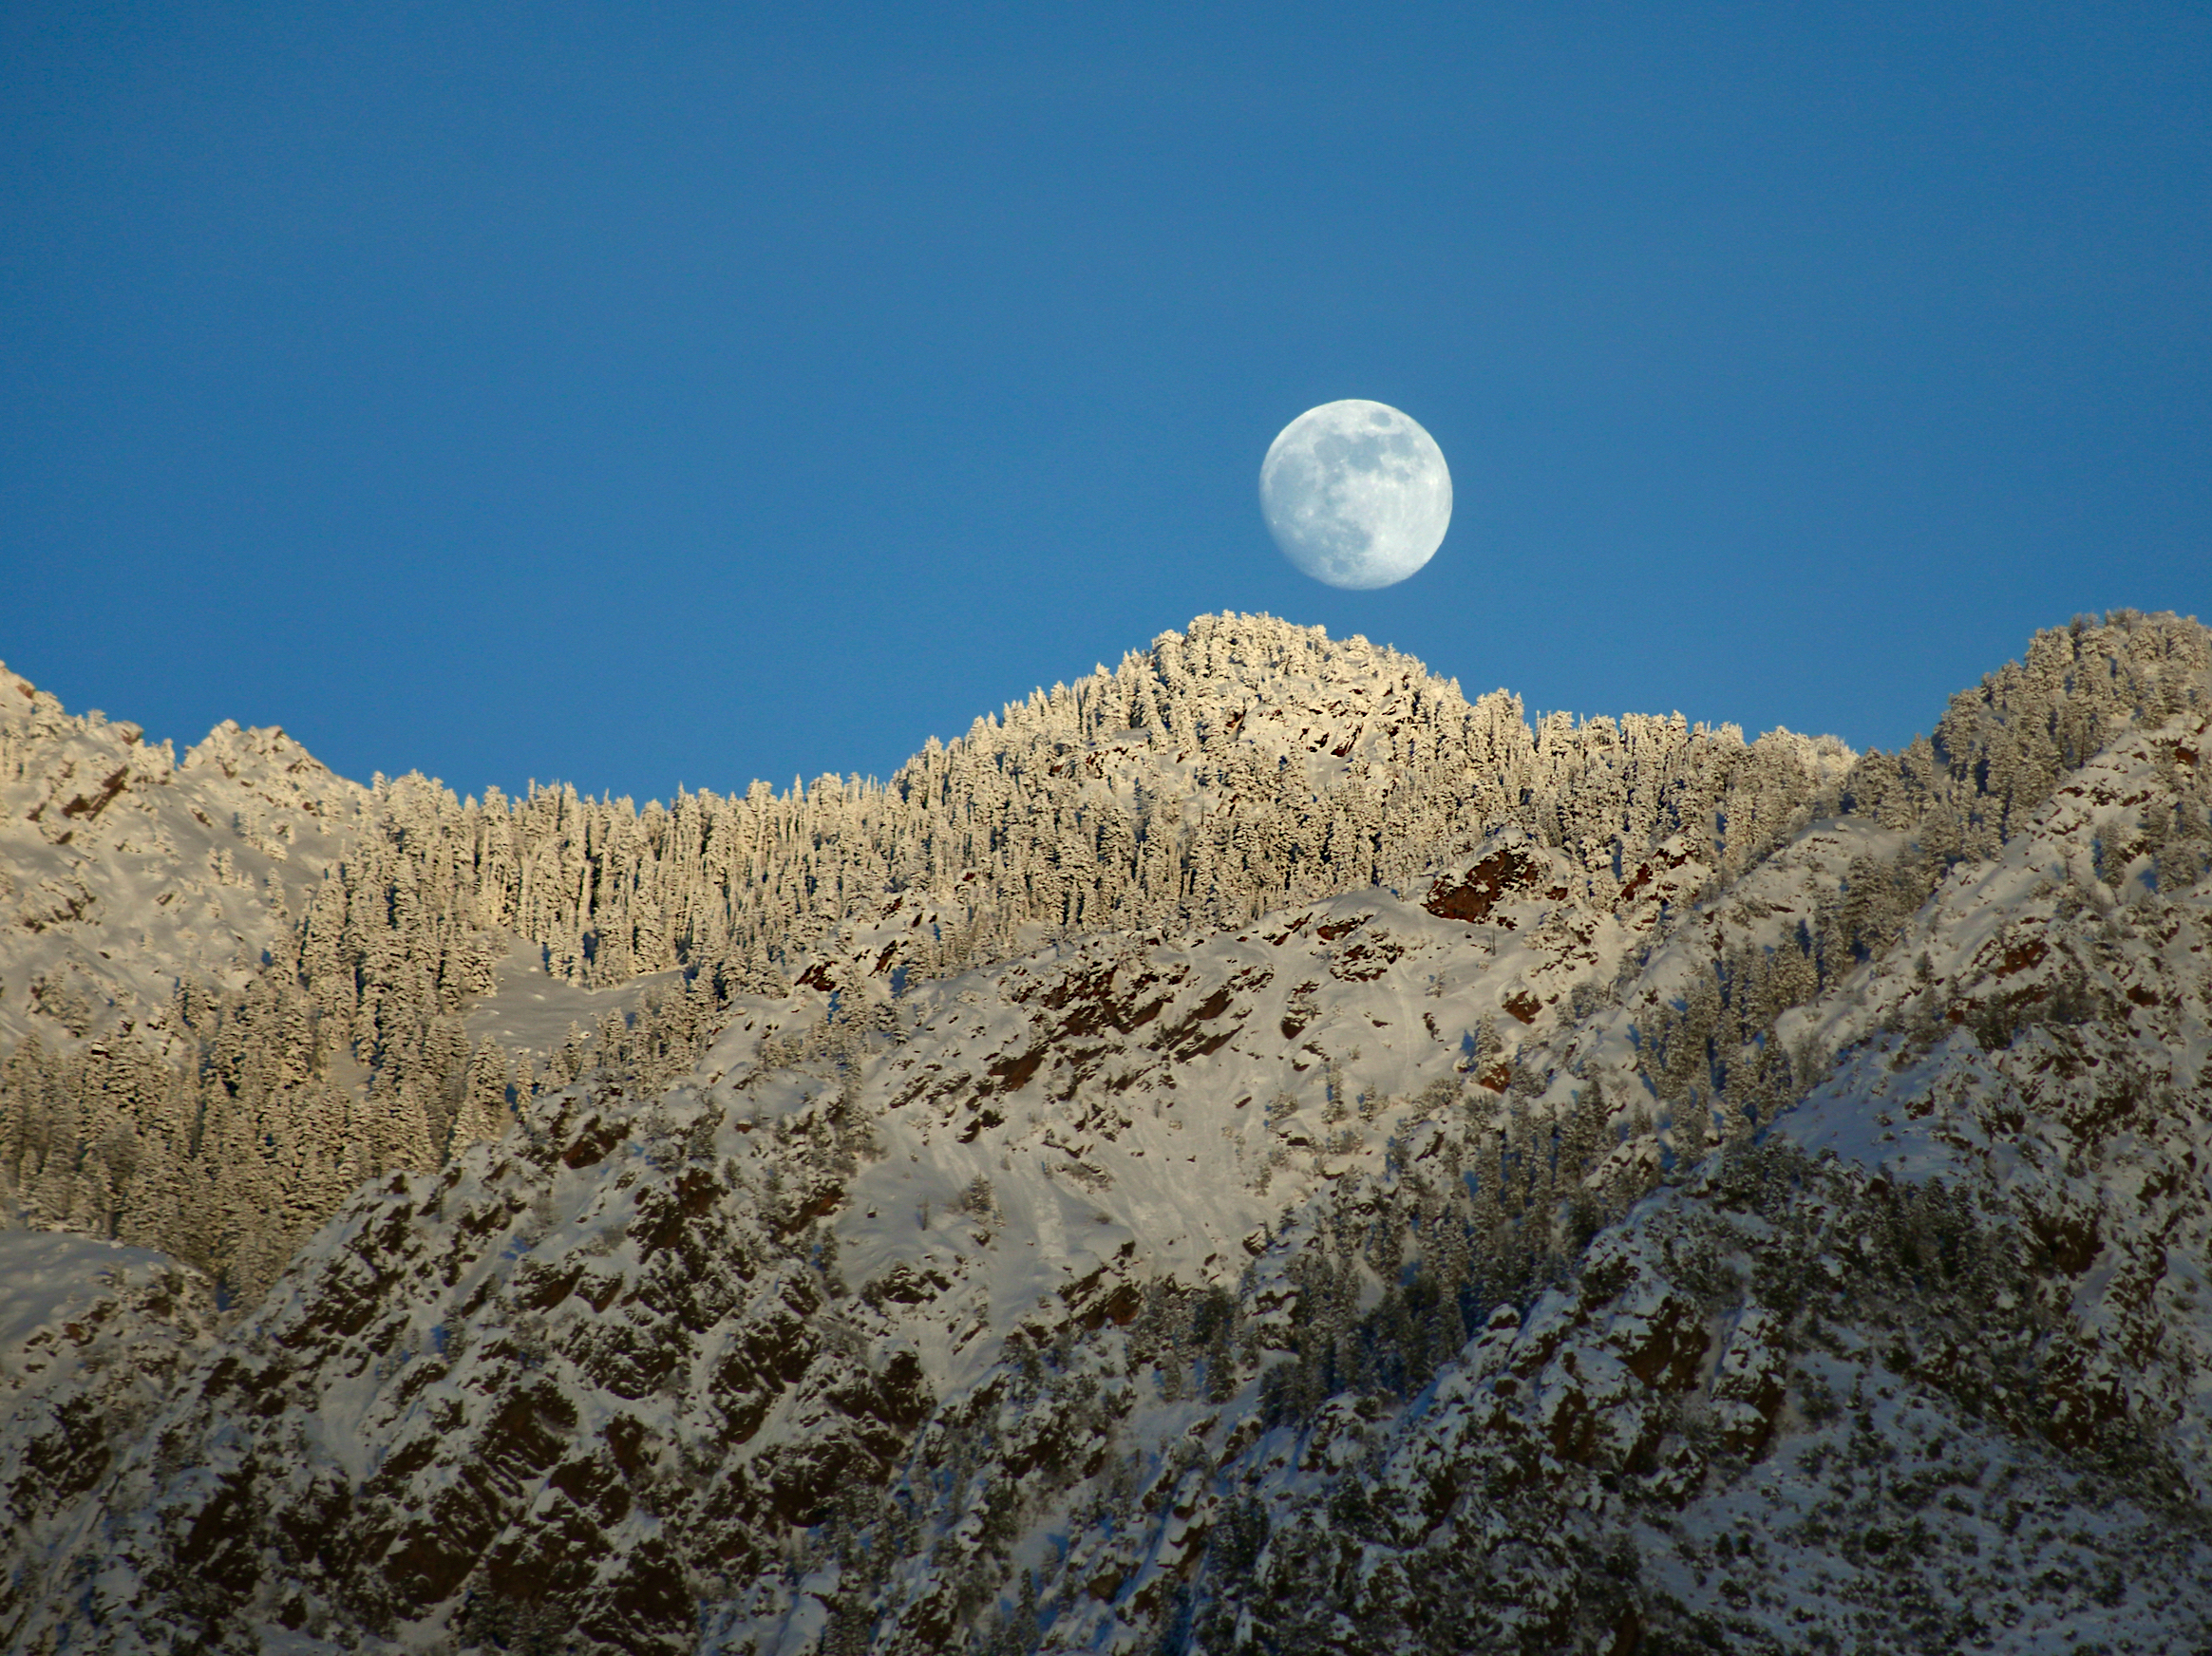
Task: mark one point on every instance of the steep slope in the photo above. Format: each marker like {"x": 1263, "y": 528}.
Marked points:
{"x": 676, "y": 1302}
{"x": 93, "y": 1337}
{"x": 1567, "y": 1251}
{"x": 399, "y": 1007}
{"x": 123, "y": 871}
{"x": 1922, "y": 1369}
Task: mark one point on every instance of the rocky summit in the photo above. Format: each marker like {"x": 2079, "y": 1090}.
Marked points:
{"x": 1248, "y": 1153}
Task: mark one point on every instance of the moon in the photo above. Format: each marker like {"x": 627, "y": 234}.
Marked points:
{"x": 1356, "y": 494}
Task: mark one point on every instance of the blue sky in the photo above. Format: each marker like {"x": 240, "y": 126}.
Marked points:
{"x": 642, "y": 395}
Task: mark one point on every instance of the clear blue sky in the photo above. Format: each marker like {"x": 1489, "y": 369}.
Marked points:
{"x": 633, "y": 395}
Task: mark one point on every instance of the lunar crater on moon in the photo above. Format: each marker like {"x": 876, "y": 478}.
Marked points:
{"x": 1356, "y": 494}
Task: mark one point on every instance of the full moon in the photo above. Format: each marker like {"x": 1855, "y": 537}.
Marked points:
{"x": 1355, "y": 494}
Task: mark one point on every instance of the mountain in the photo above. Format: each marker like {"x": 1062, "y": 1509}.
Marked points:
{"x": 1250, "y": 1153}
{"x": 331, "y": 1023}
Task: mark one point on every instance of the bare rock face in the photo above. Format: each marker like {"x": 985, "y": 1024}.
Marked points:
{"x": 1472, "y": 895}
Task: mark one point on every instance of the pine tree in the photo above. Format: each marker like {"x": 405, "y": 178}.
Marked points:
{"x": 484, "y": 1102}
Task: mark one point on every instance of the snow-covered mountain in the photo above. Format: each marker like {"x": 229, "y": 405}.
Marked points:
{"x": 382, "y": 998}
{"x": 122, "y": 870}
{"x": 1252, "y": 1153}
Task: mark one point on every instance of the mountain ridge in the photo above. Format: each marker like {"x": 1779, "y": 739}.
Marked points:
{"x": 1244, "y": 763}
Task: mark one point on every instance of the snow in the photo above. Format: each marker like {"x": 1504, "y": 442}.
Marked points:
{"x": 895, "y": 1293}
{"x": 530, "y": 1010}
{"x": 123, "y": 871}
{"x": 46, "y": 1279}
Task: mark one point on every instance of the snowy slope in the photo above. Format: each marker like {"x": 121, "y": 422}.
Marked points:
{"x": 123, "y": 871}
{"x": 2055, "y": 1052}
{"x": 1136, "y": 1109}
{"x": 93, "y": 1337}
{"x": 283, "y": 1036}
{"x": 1793, "y": 1251}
